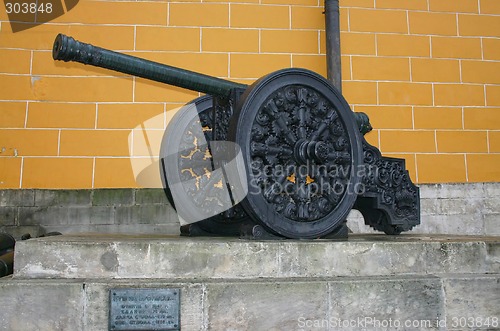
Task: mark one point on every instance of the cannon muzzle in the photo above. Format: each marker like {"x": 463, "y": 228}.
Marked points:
{"x": 68, "y": 49}
{"x": 7, "y": 242}
{"x": 6, "y": 263}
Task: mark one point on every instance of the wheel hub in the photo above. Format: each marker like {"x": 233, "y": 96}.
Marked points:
{"x": 307, "y": 150}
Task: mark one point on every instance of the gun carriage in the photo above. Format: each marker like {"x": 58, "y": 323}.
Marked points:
{"x": 293, "y": 139}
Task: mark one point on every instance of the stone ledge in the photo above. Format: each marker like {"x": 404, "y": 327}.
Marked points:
{"x": 136, "y": 256}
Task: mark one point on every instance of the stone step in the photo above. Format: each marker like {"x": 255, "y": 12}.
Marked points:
{"x": 444, "y": 302}
{"x": 154, "y": 257}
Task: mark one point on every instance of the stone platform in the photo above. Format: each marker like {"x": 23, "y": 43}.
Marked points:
{"x": 369, "y": 282}
{"x": 147, "y": 256}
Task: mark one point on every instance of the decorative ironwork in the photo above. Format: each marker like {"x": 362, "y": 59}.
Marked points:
{"x": 195, "y": 161}
{"x": 221, "y": 113}
{"x": 389, "y": 189}
{"x": 195, "y": 166}
{"x": 299, "y": 145}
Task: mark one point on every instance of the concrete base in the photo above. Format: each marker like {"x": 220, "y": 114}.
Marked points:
{"x": 141, "y": 256}
{"x": 370, "y": 282}
{"x": 350, "y": 303}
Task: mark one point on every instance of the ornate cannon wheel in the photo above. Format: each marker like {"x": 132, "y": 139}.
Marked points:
{"x": 186, "y": 160}
{"x": 302, "y": 151}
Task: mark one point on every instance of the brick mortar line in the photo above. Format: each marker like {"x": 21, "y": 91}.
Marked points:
{"x": 119, "y": 75}
{"x": 466, "y": 168}
{"x": 165, "y": 113}
{"x": 289, "y": 17}
{"x": 80, "y": 129}
{"x": 274, "y": 29}
{"x": 223, "y": 77}
{"x": 94, "y": 103}
{"x": 253, "y": 28}
{"x": 96, "y": 115}
{"x": 21, "y": 173}
{"x": 421, "y": 106}
{"x": 145, "y": 157}
{"x": 319, "y": 43}
{"x": 93, "y": 174}
{"x": 183, "y": 103}
{"x": 416, "y": 167}
{"x": 287, "y": 29}
{"x": 26, "y": 113}
{"x": 488, "y": 140}
{"x": 350, "y": 69}
{"x": 460, "y": 70}
{"x": 181, "y": 52}
{"x": 168, "y": 13}
{"x": 420, "y": 57}
{"x": 174, "y": 103}
{"x": 482, "y": 49}
{"x": 31, "y": 62}
{"x": 59, "y": 142}
{"x": 149, "y": 158}
{"x": 133, "y": 88}
{"x": 407, "y": 22}
{"x": 348, "y": 20}
{"x": 132, "y": 136}
{"x": 485, "y": 94}
{"x": 263, "y": 5}
{"x": 200, "y": 45}
{"x": 463, "y": 118}
{"x": 436, "y": 142}
{"x": 430, "y": 11}
{"x": 413, "y": 117}
{"x": 410, "y": 65}
{"x": 439, "y": 130}
{"x": 379, "y": 139}
{"x": 305, "y": 29}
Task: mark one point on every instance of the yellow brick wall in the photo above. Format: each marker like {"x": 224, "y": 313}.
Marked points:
{"x": 426, "y": 71}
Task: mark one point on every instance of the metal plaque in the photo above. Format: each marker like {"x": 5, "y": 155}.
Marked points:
{"x": 144, "y": 309}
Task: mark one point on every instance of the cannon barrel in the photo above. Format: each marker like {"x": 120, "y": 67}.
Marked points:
{"x": 7, "y": 242}
{"x": 68, "y": 49}
{"x": 6, "y": 263}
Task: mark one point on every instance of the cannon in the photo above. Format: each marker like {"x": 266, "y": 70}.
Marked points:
{"x": 292, "y": 155}
{"x": 7, "y": 246}
{"x": 7, "y": 243}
